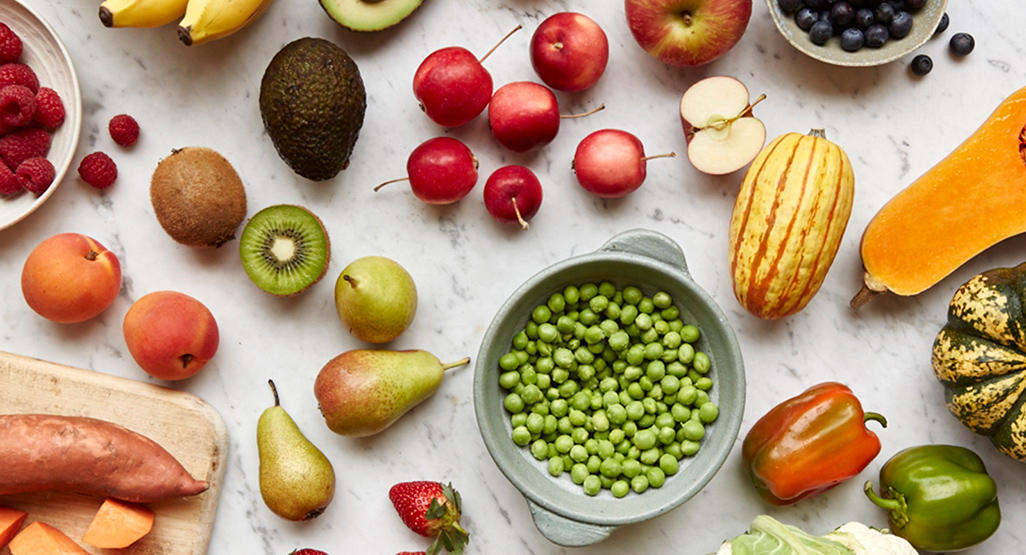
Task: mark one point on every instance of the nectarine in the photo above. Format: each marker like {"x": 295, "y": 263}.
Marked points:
{"x": 170, "y": 335}
{"x": 70, "y": 278}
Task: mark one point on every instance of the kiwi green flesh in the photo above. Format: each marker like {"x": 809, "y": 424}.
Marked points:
{"x": 284, "y": 249}
{"x": 366, "y": 15}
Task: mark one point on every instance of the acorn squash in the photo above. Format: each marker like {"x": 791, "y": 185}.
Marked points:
{"x": 980, "y": 357}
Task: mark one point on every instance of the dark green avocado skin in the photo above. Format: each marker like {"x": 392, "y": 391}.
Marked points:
{"x": 312, "y": 101}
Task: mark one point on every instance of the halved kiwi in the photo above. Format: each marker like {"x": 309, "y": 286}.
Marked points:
{"x": 284, "y": 249}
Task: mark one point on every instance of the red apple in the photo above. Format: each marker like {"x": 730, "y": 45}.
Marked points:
{"x": 440, "y": 171}
{"x": 170, "y": 335}
{"x": 70, "y": 278}
{"x": 569, "y": 51}
{"x": 611, "y": 163}
{"x": 523, "y": 115}
{"x": 512, "y": 195}
{"x": 687, "y": 33}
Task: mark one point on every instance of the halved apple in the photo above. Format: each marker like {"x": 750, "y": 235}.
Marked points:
{"x": 722, "y": 134}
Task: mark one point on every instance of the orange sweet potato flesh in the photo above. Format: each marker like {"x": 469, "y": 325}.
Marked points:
{"x": 40, "y": 538}
{"x": 118, "y": 524}
{"x": 970, "y": 200}
{"x": 87, "y": 455}
{"x": 10, "y": 523}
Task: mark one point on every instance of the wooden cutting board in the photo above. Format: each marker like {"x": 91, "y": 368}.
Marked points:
{"x": 183, "y": 424}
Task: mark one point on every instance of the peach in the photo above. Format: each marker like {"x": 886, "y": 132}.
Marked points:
{"x": 170, "y": 334}
{"x": 70, "y": 278}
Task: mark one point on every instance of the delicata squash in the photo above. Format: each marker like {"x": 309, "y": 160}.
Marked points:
{"x": 971, "y": 200}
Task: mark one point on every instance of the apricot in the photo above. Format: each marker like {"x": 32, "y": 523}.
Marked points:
{"x": 170, "y": 334}
{"x": 70, "y": 278}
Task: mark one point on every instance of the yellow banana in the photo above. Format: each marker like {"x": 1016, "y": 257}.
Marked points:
{"x": 141, "y": 13}
{"x": 207, "y": 20}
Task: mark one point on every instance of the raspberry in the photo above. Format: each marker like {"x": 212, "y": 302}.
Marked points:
{"x": 17, "y": 105}
{"x": 98, "y": 170}
{"x": 9, "y": 184}
{"x": 23, "y": 144}
{"x": 19, "y": 74}
{"x": 49, "y": 108}
{"x": 123, "y": 129}
{"x": 35, "y": 175}
{"x": 10, "y": 44}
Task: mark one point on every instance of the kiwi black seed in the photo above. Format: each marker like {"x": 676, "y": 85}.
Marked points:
{"x": 198, "y": 197}
{"x": 284, "y": 249}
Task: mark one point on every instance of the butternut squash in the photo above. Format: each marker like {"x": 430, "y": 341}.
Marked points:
{"x": 966, "y": 203}
{"x": 787, "y": 224}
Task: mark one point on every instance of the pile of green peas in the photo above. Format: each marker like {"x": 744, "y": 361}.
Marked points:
{"x": 606, "y": 384}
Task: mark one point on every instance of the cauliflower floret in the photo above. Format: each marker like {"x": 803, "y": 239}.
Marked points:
{"x": 870, "y": 541}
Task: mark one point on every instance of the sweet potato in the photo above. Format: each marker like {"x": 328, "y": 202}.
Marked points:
{"x": 10, "y": 523}
{"x": 87, "y": 455}
{"x": 40, "y": 538}
{"x": 118, "y": 524}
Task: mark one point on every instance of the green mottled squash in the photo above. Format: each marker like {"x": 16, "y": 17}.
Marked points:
{"x": 980, "y": 357}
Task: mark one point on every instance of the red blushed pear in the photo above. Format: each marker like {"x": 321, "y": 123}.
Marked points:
{"x": 610, "y": 163}
{"x": 440, "y": 171}
{"x": 70, "y": 278}
{"x": 524, "y": 115}
{"x": 170, "y": 335}
{"x": 512, "y": 195}
{"x": 569, "y": 51}
{"x": 452, "y": 86}
{"x": 687, "y": 33}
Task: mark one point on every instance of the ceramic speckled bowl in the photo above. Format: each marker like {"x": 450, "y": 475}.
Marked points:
{"x": 924, "y": 23}
{"x": 562, "y": 512}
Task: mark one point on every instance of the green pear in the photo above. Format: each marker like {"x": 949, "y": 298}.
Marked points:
{"x": 364, "y": 391}
{"x": 376, "y": 299}
{"x": 297, "y": 481}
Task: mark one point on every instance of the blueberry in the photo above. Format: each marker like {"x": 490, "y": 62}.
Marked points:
{"x": 961, "y": 44}
{"x": 921, "y": 64}
{"x": 852, "y": 39}
{"x": 876, "y": 35}
{"x": 864, "y": 18}
{"x": 901, "y": 25}
{"x": 821, "y": 32}
{"x": 842, "y": 14}
{"x": 789, "y": 6}
{"x": 816, "y": 4}
{"x": 914, "y": 5}
{"x": 805, "y": 18}
{"x": 885, "y": 13}
{"x": 942, "y": 25}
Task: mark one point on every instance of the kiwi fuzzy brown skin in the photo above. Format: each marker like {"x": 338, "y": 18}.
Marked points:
{"x": 243, "y": 246}
{"x": 198, "y": 197}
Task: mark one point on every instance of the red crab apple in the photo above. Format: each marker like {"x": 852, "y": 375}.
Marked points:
{"x": 610, "y": 163}
{"x": 452, "y": 86}
{"x": 524, "y": 115}
{"x": 569, "y": 51}
{"x": 512, "y": 195}
{"x": 70, "y": 278}
{"x": 170, "y": 334}
{"x": 687, "y": 33}
{"x": 721, "y": 132}
{"x": 440, "y": 171}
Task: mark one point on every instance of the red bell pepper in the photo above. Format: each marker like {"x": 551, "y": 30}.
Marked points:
{"x": 809, "y": 444}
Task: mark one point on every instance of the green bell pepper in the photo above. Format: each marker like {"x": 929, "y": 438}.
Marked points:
{"x": 939, "y": 497}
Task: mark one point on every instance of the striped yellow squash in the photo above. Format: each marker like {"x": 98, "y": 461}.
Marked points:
{"x": 788, "y": 221}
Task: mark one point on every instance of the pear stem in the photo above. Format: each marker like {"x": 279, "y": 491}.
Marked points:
{"x": 588, "y": 113}
{"x": 350, "y": 280}
{"x": 460, "y": 362}
{"x": 274, "y": 390}
{"x": 502, "y": 40}
{"x": 523, "y": 224}
{"x": 390, "y": 181}
{"x": 663, "y": 155}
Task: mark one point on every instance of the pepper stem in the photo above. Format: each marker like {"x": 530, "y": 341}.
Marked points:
{"x": 875, "y": 416}
{"x": 896, "y": 505}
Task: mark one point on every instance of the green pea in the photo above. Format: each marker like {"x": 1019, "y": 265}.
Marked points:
{"x": 540, "y": 449}
{"x": 599, "y": 421}
{"x": 535, "y": 422}
{"x": 610, "y": 468}
{"x": 551, "y": 423}
{"x": 593, "y": 464}
{"x": 531, "y": 395}
{"x": 645, "y": 305}
{"x": 564, "y": 426}
{"x": 594, "y": 334}
{"x": 613, "y": 310}
{"x": 585, "y": 371}
{"x": 644, "y": 439}
{"x": 693, "y": 430}
{"x": 662, "y": 299}
{"x": 676, "y": 369}
{"x": 632, "y": 373}
{"x": 619, "y": 340}
{"x": 565, "y": 324}
{"x": 563, "y": 357}
{"x": 673, "y": 450}
{"x": 540, "y": 314}
{"x": 646, "y": 383}
{"x": 633, "y": 331}
{"x": 704, "y": 383}
{"x": 596, "y": 400}
{"x": 687, "y": 394}
{"x": 608, "y": 385}
{"x": 579, "y": 330}
{"x": 513, "y": 403}
{"x": 592, "y": 485}
{"x": 665, "y": 420}
{"x": 548, "y": 333}
{"x": 564, "y": 443}
{"x": 509, "y": 380}
{"x": 661, "y": 328}
{"x": 520, "y": 340}
{"x": 688, "y": 447}
{"x": 598, "y": 303}
{"x": 685, "y": 353}
{"x": 670, "y": 314}
{"x": 509, "y": 361}
{"x": 680, "y": 413}
{"x": 635, "y": 391}
{"x": 670, "y": 384}
{"x": 672, "y": 340}
{"x": 646, "y": 421}
{"x": 544, "y": 381}
{"x": 571, "y": 294}
{"x": 608, "y": 327}
{"x": 578, "y": 453}
{"x": 666, "y": 435}
{"x": 617, "y": 436}
{"x": 628, "y": 314}
{"x": 689, "y": 333}
{"x": 591, "y": 445}
{"x": 631, "y": 295}
{"x": 619, "y": 365}
{"x": 656, "y": 477}
{"x": 650, "y": 456}
{"x": 577, "y": 417}
{"x": 620, "y": 488}
{"x": 649, "y": 405}
{"x": 528, "y": 375}
{"x": 643, "y": 321}
{"x": 701, "y": 398}
{"x": 701, "y": 363}
{"x": 605, "y": 448}
{"x": 556, "y": 466}
{"x": 521, "y": 436}
{"x": 708, "y": 412}
{"x": 668, "y": 464}
{"x": 588, "y": 317}
{"x": 635, "y": 410}
{"x": 578, "y": 473}
{"x": 617, "y": 413}
{"x": 556, "y": 303}
{"x": 655, "y": 370}
{"x": 639, "y": 483}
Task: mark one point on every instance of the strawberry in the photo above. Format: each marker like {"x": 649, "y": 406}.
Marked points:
{"x": 307, "y": 551}
{"x": 411, "y": 553}
{"x": 431, "y": 510}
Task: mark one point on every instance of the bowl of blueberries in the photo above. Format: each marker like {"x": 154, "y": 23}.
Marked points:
{"x": 858, "y": 32}
{"x": 609, "y": 388}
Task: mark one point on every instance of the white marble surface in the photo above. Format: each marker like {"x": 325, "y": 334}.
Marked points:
{"x": 892, "y": 125}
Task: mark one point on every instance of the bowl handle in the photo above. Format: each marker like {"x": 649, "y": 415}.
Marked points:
{"x": 564, "y": 531}
{"x": 648, "y": 243}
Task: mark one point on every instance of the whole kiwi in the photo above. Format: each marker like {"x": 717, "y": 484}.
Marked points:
{"x": 198, "y": 197}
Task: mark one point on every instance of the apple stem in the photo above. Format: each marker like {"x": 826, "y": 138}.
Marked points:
{"x": 748, "y": 111}
{"x": 523, "y": 224}
{"x": 274, "y": 390}
{"x": 390, "y": 181}
{"x": 460, "y": 362}
{"x": 502, "y": 40}
{"x": 663, "y": 155}
{"x": 588, "y": 113}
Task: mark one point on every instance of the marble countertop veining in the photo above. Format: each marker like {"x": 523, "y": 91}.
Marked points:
{"x": 893, "y": 126}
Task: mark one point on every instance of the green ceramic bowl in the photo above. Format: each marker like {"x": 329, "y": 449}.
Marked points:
{"x": 562, "y": 512}
{"x": 924, "y": 23}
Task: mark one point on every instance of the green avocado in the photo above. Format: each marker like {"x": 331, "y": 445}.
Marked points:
{"x": 312, "y": 101}
{"x": 369, "y": 15}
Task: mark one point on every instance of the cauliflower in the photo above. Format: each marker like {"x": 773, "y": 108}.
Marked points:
{"x": 769, "y": 536}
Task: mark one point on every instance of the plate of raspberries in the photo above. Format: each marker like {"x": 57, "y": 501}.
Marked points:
{"x": 40, "y": 111}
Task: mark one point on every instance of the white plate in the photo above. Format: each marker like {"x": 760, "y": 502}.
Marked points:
{"x": 44, "y": 52}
